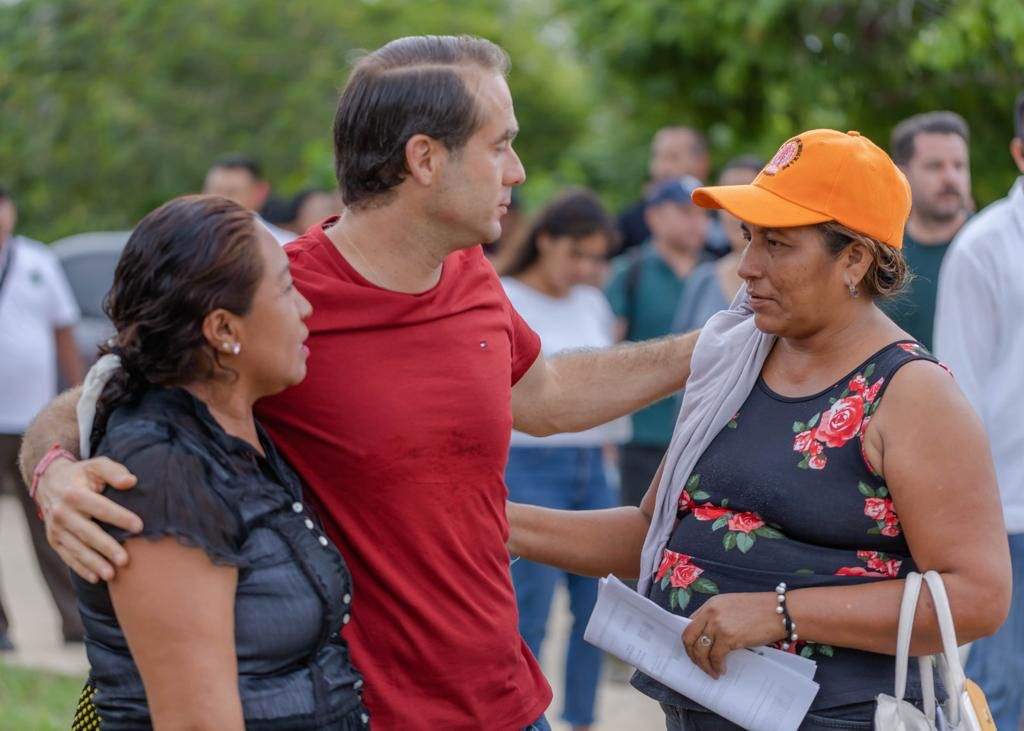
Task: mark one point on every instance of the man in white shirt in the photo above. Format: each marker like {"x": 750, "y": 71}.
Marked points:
{"x": 241, "y": 179}
{"x": 37, "y": 313}
{"x": 978, "y": 333}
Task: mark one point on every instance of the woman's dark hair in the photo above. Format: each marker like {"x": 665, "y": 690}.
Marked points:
{"x": 410, "y": 86}
{"x": 189, "y": 257}
{"x": 574, "y": 214}
{"x": 888, "y": 274}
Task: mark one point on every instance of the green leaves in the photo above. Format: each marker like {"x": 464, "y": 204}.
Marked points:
{"x": 729, "y": 541}
{"x": 766, "y": 531}
{"x": 679, "y": 599}
{"x": 111, "y": 107}
{"x": 692, "y": 488}
{"x": 866, "y": 490}
{"x": 744, "y": 541}
{"x": 704, "y": 585}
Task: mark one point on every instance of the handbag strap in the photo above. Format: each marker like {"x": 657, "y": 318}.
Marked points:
{"x": 908, "y": 608}
{"x": 953, "y": 671}
{"x": 911, "y": 591}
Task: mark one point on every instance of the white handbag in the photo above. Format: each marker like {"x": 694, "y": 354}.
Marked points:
{"x": 965, "y": 709}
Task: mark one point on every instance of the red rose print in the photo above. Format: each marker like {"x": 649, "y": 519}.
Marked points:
{"x": 858, "y": 383}
{"x": 669, "y": 560}
{"x": 685, "y": 574}
{"x": 745, "y": 522}
{"x": 707, "y": 511}
{"x": 911, "y": 348}
{"x": 855, "y": 571}
{"x": 878, "y": 564}
{"x": 803, "y": 441}
{"x": 816, "y": 448}
{"x": 842, "y": 422}
{"x": 872, "y": 393}
{"x": 891, "y": 527}
{"x": 686, "y": 502}
{"x": 817, "y": 462}
{"x": 877, "y": 508}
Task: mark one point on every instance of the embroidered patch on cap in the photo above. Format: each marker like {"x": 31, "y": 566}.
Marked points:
{"x": 786, "y": 156}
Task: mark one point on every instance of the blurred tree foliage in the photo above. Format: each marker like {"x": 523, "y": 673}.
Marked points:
{"x": 754, "y": 73}
{"x": 110, "y": 107}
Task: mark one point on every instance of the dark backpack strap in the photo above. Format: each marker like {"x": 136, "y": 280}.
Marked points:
{"x": 633, "y": 272}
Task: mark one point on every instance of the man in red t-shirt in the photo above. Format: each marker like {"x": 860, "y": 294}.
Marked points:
{"x": 419, "y": 367}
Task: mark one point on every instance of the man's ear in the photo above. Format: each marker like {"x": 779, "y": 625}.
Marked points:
{"x": 424, "y": 157}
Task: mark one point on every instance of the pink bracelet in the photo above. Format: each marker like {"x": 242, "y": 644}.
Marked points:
{"x": 52, "y": 455}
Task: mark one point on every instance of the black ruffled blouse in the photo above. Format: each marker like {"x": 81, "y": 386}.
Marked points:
{"x": 215, "y": 492}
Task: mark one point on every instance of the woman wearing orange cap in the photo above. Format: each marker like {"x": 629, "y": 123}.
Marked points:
{"x": 820, "y": 454}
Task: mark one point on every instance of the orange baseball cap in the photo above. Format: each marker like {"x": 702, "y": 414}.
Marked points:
{"x": 818, "y": 176}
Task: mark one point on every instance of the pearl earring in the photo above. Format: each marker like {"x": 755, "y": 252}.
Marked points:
{"x": 236, "y": 348}
{"x": 853, "y": 289}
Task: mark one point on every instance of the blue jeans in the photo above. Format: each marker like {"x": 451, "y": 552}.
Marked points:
{"x": 568, "y": 478}
{"x": 996, "y": 663}
{"x": 541, "y": 724}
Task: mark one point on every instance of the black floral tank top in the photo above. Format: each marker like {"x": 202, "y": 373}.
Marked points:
{"x": 785, "y": 492}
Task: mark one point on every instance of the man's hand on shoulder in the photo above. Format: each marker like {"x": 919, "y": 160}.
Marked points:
{"x": 68, "y": 494}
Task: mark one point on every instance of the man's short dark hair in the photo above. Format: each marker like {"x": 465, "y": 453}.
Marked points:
{"x": 410, "y": 86}
{"x": 1018, "y": 117}
{"x": 239, "y": 162}
{"x": 943, "y": 123}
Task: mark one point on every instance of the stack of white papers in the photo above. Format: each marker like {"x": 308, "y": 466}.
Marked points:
{"x": 762, "y": 689}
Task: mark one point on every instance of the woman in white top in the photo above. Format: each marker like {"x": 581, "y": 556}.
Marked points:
{"x": 565, "y": 246}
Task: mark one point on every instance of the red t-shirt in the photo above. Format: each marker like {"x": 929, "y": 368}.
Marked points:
{"x": 400, "y": 432}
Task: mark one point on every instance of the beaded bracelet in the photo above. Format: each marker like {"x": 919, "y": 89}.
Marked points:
{"x": 787, "y": 622}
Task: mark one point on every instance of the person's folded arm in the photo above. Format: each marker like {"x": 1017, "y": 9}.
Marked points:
{"x": 176, "y": 609}
{"x": 580, "y": 390}
{"x": 585, "y": 542}
{"x": 68, "y": 493}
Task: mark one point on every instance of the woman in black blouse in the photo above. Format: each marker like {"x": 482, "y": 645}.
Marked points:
{"x": 229, "y": 614}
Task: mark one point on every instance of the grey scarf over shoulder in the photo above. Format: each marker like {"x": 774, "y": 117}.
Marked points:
{"x": 726, "y": 363}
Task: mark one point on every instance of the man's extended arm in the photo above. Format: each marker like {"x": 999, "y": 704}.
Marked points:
{"x": 69, "y": 496}
{"x": 580, "y": 390}
{"x": 585, "y": 542}
{"x": 56, "y": 424}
